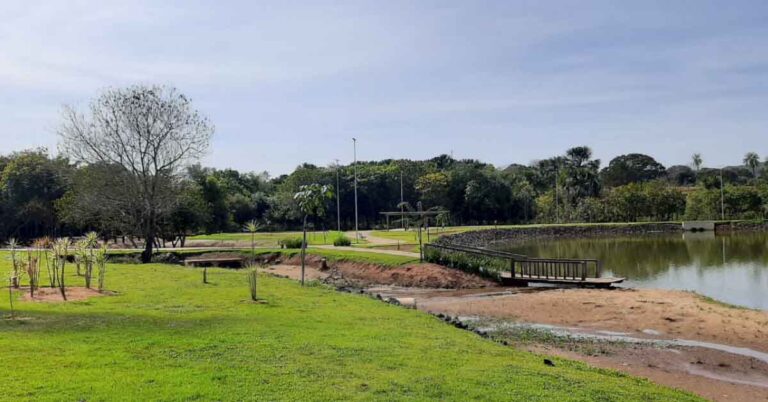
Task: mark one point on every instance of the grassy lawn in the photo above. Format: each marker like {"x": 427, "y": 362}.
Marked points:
{"x": 330, "y": 253}
{"x": 167, "y": 336}
{"x": 269, "y": 239}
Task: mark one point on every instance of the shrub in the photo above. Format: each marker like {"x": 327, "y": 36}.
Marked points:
{"x": 342, "y": 241}
{"x": 290, "y": 242}
{"x": 487, "y": 267}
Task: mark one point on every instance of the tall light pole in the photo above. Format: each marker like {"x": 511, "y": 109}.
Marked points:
{"x": 354, "y": 148}
{"x": 338, "y": 203}
{"x": 722, "y": 197}
{"x": 402, "y": 200}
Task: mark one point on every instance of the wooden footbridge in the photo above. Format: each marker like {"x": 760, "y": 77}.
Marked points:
{"x": 522, "y": 270}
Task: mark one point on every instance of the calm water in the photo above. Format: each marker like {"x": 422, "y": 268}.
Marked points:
{"x": 731, "y": 268}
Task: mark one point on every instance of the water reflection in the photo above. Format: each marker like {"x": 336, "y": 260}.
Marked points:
{"x": 731, "y": 268}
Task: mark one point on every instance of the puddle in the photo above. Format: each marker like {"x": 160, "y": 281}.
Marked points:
{"x": 610, "y": 336}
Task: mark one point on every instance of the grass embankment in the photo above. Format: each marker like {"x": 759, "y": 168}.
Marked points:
{"x": 268, "y": 239}
{"x": 329, "y": 253}
{"x": 167, "y": 336}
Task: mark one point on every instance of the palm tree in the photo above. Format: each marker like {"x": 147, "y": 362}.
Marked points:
{"x": 581, "y": 178}
{"x": 252, "y": 227}
{"x": 697, "y": 161}
{"x": 311, "y": 199}
{"x": 752, "y": 160}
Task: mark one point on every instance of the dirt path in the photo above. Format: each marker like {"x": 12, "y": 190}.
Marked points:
{"x": 368, "y": 236}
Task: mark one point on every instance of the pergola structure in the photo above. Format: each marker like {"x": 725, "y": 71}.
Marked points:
{"x": 404, "y": 214}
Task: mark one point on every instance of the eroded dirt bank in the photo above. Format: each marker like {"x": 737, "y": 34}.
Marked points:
{"x": 363, "y": 275}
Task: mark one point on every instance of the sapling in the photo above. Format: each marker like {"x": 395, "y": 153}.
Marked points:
{"x": 79, "y": 257}
{"x": 16, "y": 264}
{"x": 90, "y": 243}
{"x": 252, "y": 227}
{"x": 10, "y": 294}
{"x": 41, "y": 246}
{"x": 311, "y": 200}
{"x": 33, "y": 271}
{"x": 60, "y": 250}
{"x": 101, "y": 261}
{"x": 252, "y": 272}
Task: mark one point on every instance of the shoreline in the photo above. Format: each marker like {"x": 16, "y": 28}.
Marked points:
{"x": 672, "y": 337}
{"x": 487, "y": 237}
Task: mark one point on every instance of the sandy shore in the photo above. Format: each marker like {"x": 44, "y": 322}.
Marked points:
{"x": 658, "y": 316}
{"x": 668, "y": 313}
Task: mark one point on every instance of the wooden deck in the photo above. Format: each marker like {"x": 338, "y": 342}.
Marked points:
{"x": 522, "y": 270}
{"x": 524, "y": 280}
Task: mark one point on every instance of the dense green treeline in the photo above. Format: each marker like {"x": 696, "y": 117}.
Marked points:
{"x": 43, "y": 195}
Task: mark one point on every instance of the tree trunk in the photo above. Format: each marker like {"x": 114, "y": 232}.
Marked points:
{"x": 149, "y": 243}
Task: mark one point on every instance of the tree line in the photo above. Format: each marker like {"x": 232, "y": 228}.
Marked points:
{"x": 128, "y": 168}
{"x": 43, "y": 195}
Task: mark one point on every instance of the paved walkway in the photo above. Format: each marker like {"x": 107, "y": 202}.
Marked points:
{"x": 370, "y": 250}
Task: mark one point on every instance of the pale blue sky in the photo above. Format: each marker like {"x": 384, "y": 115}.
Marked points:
{"x": 502, "y": 81}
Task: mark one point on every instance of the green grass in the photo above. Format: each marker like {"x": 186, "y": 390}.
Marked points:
{"x": 329, "y": 253}
{"x": 269, "y": 239}
{"x": 167, "y": 336}
{"x": 350, "y": 255}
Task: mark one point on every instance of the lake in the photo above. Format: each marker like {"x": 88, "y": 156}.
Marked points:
{"x": 732, "y": 268}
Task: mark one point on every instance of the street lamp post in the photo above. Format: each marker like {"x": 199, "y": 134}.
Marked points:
{"x": 722, "y": 197}
{"x": 357, "y": 230}
{"x": 338, "y": 203}
{"x": 402, "y": 200}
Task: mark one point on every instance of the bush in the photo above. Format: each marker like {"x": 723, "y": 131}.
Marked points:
{"x": 290, "y": 242}
{"x": 487, "y": 267}
{"x": 342, "y": 241}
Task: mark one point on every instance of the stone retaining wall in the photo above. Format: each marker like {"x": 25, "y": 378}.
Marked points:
{"x": 483, "y": 238}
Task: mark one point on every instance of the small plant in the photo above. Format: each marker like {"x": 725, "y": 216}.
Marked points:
{"x": 342, "y": 241}
{"x": 60, "y": 250}
{"x": 290, "y": 242}
{"x": 10, "y": 294}
{"x": 89, "y": 245}
{"x": 252, "y": 227}
{"x": 16, "y": 270}
{"x": 101, "y": 261}
{"x": 41, "y": 247}
{"x": 252, "y": 281}
{"x": 80, "y": 257}
{"x": 33, "y": 272}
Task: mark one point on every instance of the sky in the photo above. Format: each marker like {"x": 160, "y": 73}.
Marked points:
{"x": 287, "y": 82}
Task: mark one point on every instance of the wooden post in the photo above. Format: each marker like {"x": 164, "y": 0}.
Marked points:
{"x": 584, "y": 271}
{"x": 205, "y": 274}
{"x": 512, "y": 267}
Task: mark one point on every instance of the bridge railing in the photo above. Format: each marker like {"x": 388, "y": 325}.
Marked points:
{"x": 494, "y": 263}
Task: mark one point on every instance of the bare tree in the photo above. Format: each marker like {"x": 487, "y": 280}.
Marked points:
{"x": 148, "y": 132}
